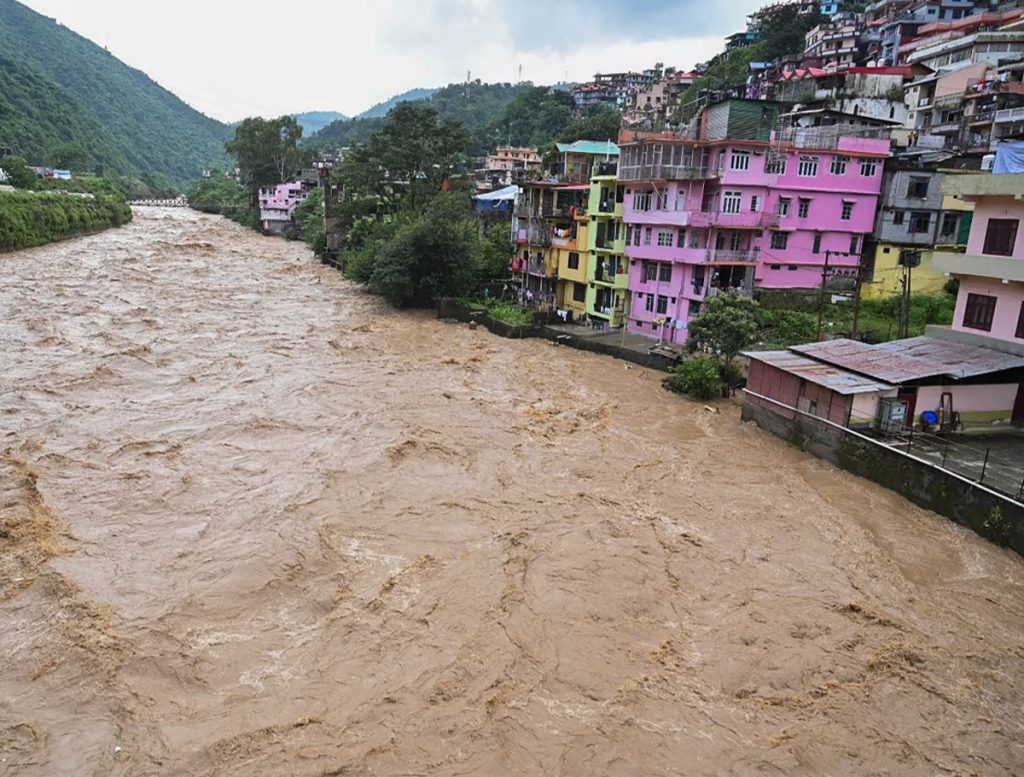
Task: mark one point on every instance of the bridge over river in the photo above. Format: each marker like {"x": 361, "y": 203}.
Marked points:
{"x": 176, "y": 202}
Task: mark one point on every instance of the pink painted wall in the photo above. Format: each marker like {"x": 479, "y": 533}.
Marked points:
{"x": 995, "y": 208}
{"x": 1009, "y": 298}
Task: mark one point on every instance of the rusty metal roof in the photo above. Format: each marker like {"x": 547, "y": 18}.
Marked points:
{"x": 916, "y": 358}
{"x": 834, "y": 378}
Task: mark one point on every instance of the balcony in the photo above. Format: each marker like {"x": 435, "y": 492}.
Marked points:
{"x": 1008, "y": 115}
{"x": 609, "y": 275}
{"x": 664, "y": 173}
{"x": 946, "y": 128}
{"x": 533, "y": 236}
{"x": 743, "y": 219}
{"x": 1001, "y": 268}
{"x": 732, "y": 256}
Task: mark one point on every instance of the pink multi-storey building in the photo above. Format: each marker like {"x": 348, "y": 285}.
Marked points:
{"x": 703, "y": 216}
{"x": 278, "y": 204}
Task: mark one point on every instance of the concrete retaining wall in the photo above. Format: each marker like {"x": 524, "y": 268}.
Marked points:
{"x": 992, "y": 515}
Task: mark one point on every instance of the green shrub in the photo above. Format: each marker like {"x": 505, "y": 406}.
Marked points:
{"x": 35, "y": 218}
{"x": 699, "y": 377}
{"x": 512, "y": 314}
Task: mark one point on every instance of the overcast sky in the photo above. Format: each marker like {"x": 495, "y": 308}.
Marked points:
{"x": 257, "y": 57}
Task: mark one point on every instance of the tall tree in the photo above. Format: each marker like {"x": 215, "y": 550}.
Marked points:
{"x": 266, "y": 150}
{"x": 727, "y": 325}
{"x": 19, "y": 174}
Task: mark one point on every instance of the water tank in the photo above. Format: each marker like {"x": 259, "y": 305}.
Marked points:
{"x": 892, "y": 414}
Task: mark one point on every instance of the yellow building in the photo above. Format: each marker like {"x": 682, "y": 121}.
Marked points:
{"x": 885, "y": 278}
{"x": 572, "y": 268}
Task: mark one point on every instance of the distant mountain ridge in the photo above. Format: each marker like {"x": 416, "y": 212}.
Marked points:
{"x": 381, "y": 109}
{"x": 58, "y": 87}
{"x": 314, "y": 121}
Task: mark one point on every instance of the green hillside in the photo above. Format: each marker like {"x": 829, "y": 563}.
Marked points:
{"x": 65, "y": 87}
{"x": 314, "y": 121}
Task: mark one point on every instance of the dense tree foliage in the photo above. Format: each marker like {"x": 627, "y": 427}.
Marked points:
{"x": 727, "y": 325}
{"x": 309, "y": 219}
{"x": 601, "y": 122}
{"x": 17, "y": 172}
{"x": 535, "y": 117}
{"x": 36, "y": 218}
{"x": 57, "y": 87}
{"x": 225, "y": 197}
{"x": 699, "y": 377}
{"x": 267, "y": 151}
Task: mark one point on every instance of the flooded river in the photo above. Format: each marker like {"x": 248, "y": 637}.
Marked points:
{"x": 254, "y": 522}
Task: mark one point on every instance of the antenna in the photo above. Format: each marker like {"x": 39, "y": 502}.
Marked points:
{"x": 520, "y": 72}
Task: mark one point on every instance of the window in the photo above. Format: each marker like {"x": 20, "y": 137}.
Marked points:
{"x": 1000, "y": 235}
{"x": 650, "y": 270}
{"x": 694, "y": 308}
{"x": 681, "y": 199}
{"x": 664, "y": 238}
{"x": 734, "y": 241}
{"x": 919, "y": 221}
{"x": 868, "y": 168}
{"x": 664, "y": 272}
{"x": 775, "y": 165}
{"x": 854, "y": 244}
{"x": 649, "y": 303}
{"x": 897, "y": 217}
{"x": 792, "y": 267}
{"x": 647, "y": 236}
{"x": 780, "y": 240}
{"x": 740, "y": 160}
{"x": 979, "y": 311}
{"x": 662, "y": 304}
{"x": 847, "y": 212}
{"x": 574, "y": 260}
{"x": 731, "y": 202}
{"x": 755, "y": 203}
{"x": 579, "y": 292}
{"x": 784, "y": 203}
{"x": 629, "y": 234}
{"x": 1020, "y": 323}
{"x": 839, "y": 165}
{"x": 816, "y": 247}
{"x": 636, "y": 236}
{"x": 918, "y": 187}
{"x": 803, "y": 207}
{"x": 950, "y": 222}
{"x": 808, "y": 167}
{"x": 642, "y": 201}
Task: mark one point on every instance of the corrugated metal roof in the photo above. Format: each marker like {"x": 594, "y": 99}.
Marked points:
{"x": 589, "y": 147}
{"x": 833, "y": 378}
{"x": 913, "y": 359}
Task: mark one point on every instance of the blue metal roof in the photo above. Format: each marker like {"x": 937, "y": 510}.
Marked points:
{"x": 596, "y": 147}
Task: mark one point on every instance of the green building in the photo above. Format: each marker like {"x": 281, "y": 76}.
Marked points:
{"x": 607, "y": 270}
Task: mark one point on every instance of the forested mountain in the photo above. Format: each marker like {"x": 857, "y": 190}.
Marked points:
{"x": 56, "y": 86}
{"x": 380, "y": 110}
{"x": 494, "y": 114}
{"x": 314, "y": 121}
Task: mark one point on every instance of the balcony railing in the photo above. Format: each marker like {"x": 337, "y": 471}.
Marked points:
{"x": 728, "y": 255}
{"x": 946, "y": 127}
{"x": 1009, "y": 114}
{"x": 744, "y": 218}
{"x": 664, "y": 172}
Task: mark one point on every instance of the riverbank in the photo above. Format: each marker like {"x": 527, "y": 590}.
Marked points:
{"x": 29, "y": 219}
{"x": 280, "y": 526}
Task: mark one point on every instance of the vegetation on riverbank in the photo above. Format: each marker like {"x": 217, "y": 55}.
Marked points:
{"x": 30, "y": 219}
{"x": 223, "y": 197}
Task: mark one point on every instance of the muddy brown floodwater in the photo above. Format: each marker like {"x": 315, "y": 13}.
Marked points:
{"x": 253, "y": 522}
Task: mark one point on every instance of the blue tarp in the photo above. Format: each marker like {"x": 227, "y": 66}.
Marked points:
{"x": 1009, "y": 157}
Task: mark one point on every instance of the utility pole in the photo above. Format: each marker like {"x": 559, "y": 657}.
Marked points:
{"x": 856, "y": 300}
{"x": 821, "y": 295}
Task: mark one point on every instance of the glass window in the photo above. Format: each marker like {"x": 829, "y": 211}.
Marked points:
{"x": 808, "y": 167}
{"x": 816, "y": 247}
{"x": 649, "y": 303}
{"x": 979, "y": 311}
{"x": 780, "y": 240}
{"x": 740, "y": 160}
{"x": 664, "y": 238}
{"x": 650, "y": 270}
{"x": 681, "y": 199}
{"x": 642, "y": 201}
{"x": 918, "y": 187}
{"x": 919, "y": 221}
{"x": 854, "y": 243}
{"x": 665, "y": 272}
{"x": 755, "y": 203}
{"x": 1000, "y": 236}
{"x": 868, "y": 168}
{"x": 847, "y": 212}
{"x": 579, "y": 292}
{"x": 950, "y": 222}
{"x": 731, "y": 202}
{"x": 784, "y": 203}
{"x": 775, "y": 165}
{"x": 897, "y": 217}
{"x": 803, "y": 207}
{"x": 662, "y": 304}
{"x": 647, "y": 236}
{"x": 574, "y": 260}
{"x": 839, "y": 165}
